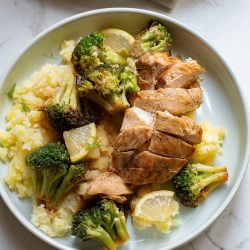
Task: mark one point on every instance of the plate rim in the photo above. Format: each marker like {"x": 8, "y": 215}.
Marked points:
{"x": 30, "y": 227}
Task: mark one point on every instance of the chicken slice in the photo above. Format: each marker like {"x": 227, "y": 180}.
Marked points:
{"x": 150, "y": 65}
{"x": 182, "y": 127}
{"x": 136, "y": 129}
{"x": 148, "y": 160}
{"x": 145, "y": 84}
{"x": 108, "y": 184}
{"x": 132, "y": 138}
{"x": 138, "y": 176}
{"x": 181, "y": 75}
{"x": 134, "y": 117}
{"x": 177, "y": 101}
{"x": 121, "y": 160}
{"x": 166, "y": 145}
{"x": 147, "y": 167}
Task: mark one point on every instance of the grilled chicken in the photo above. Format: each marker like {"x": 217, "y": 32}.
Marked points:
{"x": 157, "y": 146}
{"x": 150, "y": 66}
{"x": 182, "y": 127}
{"x": 166, "y": 145}
{"x": 135, "y": 131}
{"x": 108, "y": 184}
{"x": 134, "y": 117}
{"x": 121, "y": 160}
{"x": 177, "y": 101}
{"x": 181, "y": 75}
{"x": 132, "y": 138}
{"x": 159, "y": 70}
{"x": 147, "y": 167}
{"x": 140, "y": 176}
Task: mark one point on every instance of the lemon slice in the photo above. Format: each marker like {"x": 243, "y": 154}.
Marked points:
{"x": 78, "y": 140}
{"x": 157, "y": 206}
{"x": 118, "y": 40}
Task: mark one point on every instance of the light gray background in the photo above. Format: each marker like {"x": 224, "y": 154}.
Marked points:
{"x": 224, "y": 23}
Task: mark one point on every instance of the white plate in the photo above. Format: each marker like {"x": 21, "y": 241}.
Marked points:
{"x": 223, "y": 105}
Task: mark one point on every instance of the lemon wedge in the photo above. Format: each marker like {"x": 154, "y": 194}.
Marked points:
{"x": 78, "y": 141}
{"x": 157, "y": 206}
{"x": 118, "y": 40}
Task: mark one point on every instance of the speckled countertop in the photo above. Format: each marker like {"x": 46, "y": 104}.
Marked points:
{"x": 224, "y": 23}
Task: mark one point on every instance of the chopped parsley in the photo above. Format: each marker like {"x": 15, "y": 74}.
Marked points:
{"x": 11, "y": 91}
{"x": 25, "y": 108}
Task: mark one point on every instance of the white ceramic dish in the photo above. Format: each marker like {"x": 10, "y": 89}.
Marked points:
{"x": 223, "y": 105}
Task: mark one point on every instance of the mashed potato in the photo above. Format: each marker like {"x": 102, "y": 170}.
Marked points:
{"x": 212, "y": 140}
{"x": 67, "y": 49}
{"x": 56, "y": 223}
{"x": 27, "y": 129}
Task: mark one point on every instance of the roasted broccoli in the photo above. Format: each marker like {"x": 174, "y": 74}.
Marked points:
{"x": 85, "y": 54}
{"x": 52, "y": 173}
{"x": 104, "y": 222}
{"x": 154, "y": 38}
{"x": 107, "y": 86}
{"x": 64, "y": 111}
{"x": 196, "y": 181}
{"x": 90, "y": 52}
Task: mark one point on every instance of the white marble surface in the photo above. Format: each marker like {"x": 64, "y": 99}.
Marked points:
{"x": 226, "y": 25}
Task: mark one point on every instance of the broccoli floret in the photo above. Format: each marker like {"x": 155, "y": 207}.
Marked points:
{"x": 63, "y": 109}
{"x": 52, "y": 173}
{"x": 196, "y": 181}
{"x": 104, "y": 222}
{"x": 108, "y": 86}
{"x": 85, "y": 54}
{"x": 91, "y": 52}
{"x": 155, "y": 37}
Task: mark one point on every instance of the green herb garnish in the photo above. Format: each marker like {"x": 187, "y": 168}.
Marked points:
{"x": 25, "y": 108}
{"x": 11, "y": 91}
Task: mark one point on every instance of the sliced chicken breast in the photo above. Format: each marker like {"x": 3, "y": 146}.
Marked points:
{"x": 177, "y": 101}
{"x": 150, "y": 66}
{"x": 145, "y": 84}
{"x": 166, "y": 145}
{"x": 138, "y": 176}
{"x": 134, "y": 117}
{"x": 181, "y": 75}
{"x": 148, "y": 160}
{"x": 132, "y": 138}
{"x": 108, "y": 184}
{"x": 121, "y": 160}
{"x": 147, "y": 167}
{"x": 182, "y": 127}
